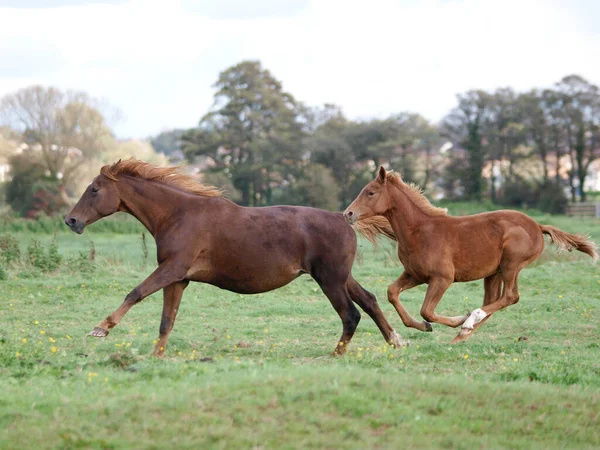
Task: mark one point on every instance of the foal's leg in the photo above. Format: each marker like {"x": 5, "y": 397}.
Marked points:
{"x": 368, "y": 303}
{"x": 493, "y": 289}
{"x": 404, "y": 283}
{"x": 342, "y": 303}
{"x": 435, "y": 291}
{"x": 172, "y": 298}
{"x": 165, "y": 274}
{"x": 510, "y": 296}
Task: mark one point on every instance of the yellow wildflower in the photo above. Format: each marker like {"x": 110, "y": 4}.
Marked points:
{"x": 53, "y": 349}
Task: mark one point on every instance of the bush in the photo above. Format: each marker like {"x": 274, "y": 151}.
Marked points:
{"x": 316, "y": 187}
{"x": 19, "y": 192}
{"x": 9, "y": 249}
{"x": 45, "y": 260}
{"x": 81, "y": 263}
{"x": 552, "y": 199}
{"x": 547, "y": 197}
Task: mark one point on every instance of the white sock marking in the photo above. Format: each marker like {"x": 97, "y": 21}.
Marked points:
{"x": 475, "y": 317}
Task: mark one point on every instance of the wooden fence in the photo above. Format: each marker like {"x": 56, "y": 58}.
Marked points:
{"x": 587, "y": 209}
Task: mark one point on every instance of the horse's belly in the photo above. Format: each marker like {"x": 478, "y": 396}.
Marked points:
{"x": 477, "y": 268}
{"x": 247, "y": 279}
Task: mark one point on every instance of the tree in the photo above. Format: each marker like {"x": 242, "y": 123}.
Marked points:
{"x": 169, "y": 143}
{"x": 579, "y": 117}
{"x": 66, "y": 128}
{"x": 315, "y": 187}
{"x": 254, "y": 130}
{"x": 467, "y": 125}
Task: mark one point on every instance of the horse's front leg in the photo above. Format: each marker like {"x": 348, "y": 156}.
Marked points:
{"x": 172, "y": 299}
{"x": 168, "y": 272}
{"x": 436, "y": 289}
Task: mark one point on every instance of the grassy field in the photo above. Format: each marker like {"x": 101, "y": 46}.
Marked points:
{"x": 253, "y": 371}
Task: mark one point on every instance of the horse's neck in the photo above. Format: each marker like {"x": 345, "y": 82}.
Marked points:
{"x": 149, "y": 202}
{"x": 403, "y": 215}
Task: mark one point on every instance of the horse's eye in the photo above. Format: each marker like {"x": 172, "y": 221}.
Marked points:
{"x": 94, "y": 189}
{"x": 371, "y": 194}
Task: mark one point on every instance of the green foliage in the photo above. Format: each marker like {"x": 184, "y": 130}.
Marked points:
{"x": 223, "y": 181}
{"x": 252, "y": 133}
{"x": 26, "y": 171}
{"x": 521, "y": 193}
{"x": 118, "y": 223}
{"x": 315, "y": 187}
{"x": 81, "y": 263}
{"x": 10, "y": 252}
{"x": 552, "y": 199}
{"x": 168, "y": 142}
{"x": 46, "y": 260}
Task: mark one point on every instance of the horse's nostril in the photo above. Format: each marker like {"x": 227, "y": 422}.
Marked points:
{"x": 349, "y": 213}
{"x": 70, "y": 221}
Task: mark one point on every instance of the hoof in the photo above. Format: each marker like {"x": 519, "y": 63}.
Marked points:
{"x": 397, "y": 341}
{"x": 99, "y": 332}
{"x": 464, "y": 334}
{"x": 428, "y": 327}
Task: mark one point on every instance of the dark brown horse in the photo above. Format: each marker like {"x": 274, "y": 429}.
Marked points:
{"x": 437, "y": 249}
{"x": 202, "y": 236}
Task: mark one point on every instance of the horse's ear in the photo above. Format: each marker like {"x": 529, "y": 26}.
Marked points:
{"x": 381, "y": 175}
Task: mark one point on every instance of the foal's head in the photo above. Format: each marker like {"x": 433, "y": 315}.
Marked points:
{"x": 373, "y": 200}
{"x": 100, "y": 199}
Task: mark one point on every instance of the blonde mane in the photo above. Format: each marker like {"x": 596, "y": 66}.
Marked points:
{"x": 167, "y": 175}
{"x": 414, "y": 193}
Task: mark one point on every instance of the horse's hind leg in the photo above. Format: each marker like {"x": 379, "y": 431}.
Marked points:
{"x": 510, "y": 296}
{"x": 171, "y": 300}
{"x": 368, "y": 303}
{"x": 493, "y": 290}
{"x": 337, "y": 294}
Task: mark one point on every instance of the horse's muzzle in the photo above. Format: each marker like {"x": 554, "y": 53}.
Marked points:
{"x": 75, "y": 225}
{"x": 350, "y": 217}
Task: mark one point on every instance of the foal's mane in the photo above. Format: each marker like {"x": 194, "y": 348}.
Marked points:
{"x": 167, "y": 175}
{"x": 414, "y": 193}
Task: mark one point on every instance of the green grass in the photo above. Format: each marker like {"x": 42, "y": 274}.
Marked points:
{"x": 253, "y": 371}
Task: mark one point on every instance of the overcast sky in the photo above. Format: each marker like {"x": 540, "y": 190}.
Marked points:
{"x": 156, "y": 60}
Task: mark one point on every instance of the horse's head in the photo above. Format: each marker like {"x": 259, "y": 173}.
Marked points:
{"x": 373, "y": 200}
{"x": 100, "y": 199}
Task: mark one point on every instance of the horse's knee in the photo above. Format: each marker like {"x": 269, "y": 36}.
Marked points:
{"x": 352, "y": 319}
{"x": 165, "y": 326}
{"x": 392, "y": 294}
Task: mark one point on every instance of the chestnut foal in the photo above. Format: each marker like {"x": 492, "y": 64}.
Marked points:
{"x": 437, "y": 249}
{"x": 202, "y": 236}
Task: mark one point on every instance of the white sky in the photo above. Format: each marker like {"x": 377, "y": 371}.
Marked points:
{"x": 156, "y": 60}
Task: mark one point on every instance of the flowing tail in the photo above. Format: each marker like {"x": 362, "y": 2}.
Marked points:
{"x": 373, "y": 227}
{"x": 569, "y": 242}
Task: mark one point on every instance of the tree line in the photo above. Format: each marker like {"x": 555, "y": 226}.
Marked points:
{"x": 512, "y": 147}
{"x": 265, "y": 147}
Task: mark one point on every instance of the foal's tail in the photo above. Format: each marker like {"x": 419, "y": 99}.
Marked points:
{"x": 569, "y": 242}
{"x": 373, "y": 227}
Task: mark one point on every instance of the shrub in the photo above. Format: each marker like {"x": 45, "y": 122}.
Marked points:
{"x": 46, "y": 261}
{"x": 9, "y": 249}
